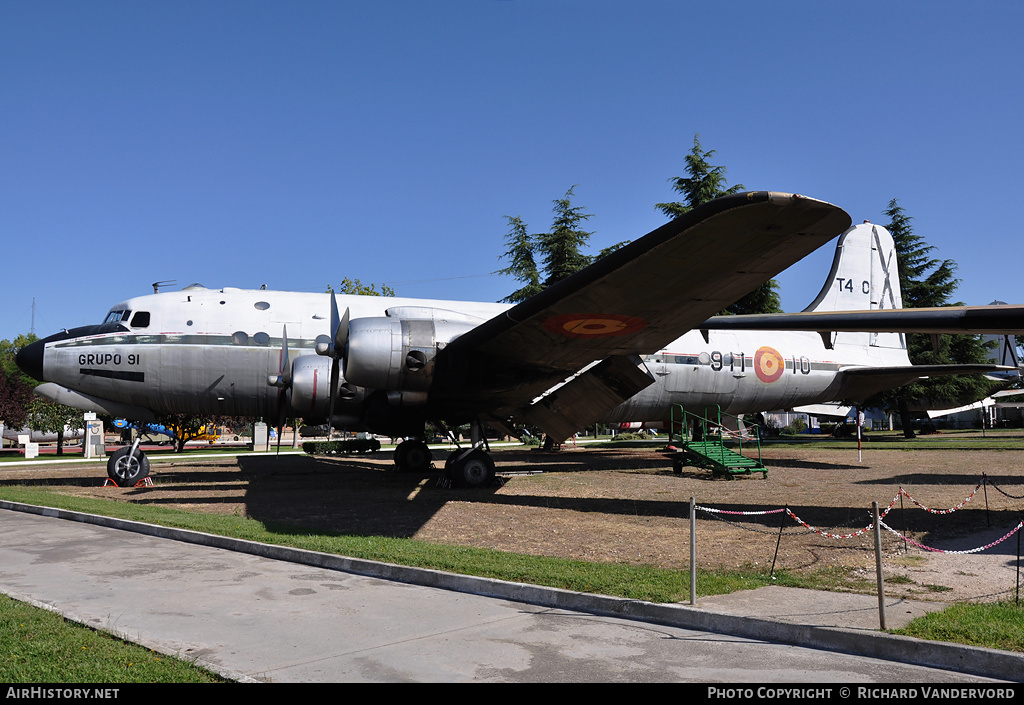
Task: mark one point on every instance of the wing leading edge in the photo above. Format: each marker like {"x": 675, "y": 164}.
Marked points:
{"x": 633, "y": 301}
{"x": 1001, "y": 319}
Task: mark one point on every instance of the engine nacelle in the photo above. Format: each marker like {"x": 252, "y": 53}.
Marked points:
{"x": 309, "y": 395}
{"x": 396, "y": 354}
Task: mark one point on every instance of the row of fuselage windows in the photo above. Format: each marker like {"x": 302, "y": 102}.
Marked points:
{"x": 140, "y": 319}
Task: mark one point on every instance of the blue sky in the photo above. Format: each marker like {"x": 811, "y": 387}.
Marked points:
{"x": 294, "y": 144}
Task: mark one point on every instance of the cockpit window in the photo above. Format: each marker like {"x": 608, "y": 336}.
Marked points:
{"x": 140, "y": 319}
{"x": 117, "y": 315}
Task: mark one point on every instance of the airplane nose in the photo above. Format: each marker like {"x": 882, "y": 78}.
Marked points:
{"x": 30, "y": 359}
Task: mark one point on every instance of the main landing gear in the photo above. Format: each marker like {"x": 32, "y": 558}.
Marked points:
{"x": 469, "y": 467}
{"x": 465, "y": 467}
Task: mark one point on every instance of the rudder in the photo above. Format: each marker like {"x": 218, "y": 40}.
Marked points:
{"x": 864, "y": 275}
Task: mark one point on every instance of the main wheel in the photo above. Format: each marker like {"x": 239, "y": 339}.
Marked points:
{"x": 413, "y": 456}
{"x": 474, "y": 469}
{"x": 125, "y": 471}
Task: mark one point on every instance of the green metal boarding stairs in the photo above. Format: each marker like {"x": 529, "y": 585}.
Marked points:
{"x": 711, "y": 452}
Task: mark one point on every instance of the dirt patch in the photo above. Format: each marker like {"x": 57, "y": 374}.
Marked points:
{"x": 627, "y": 505}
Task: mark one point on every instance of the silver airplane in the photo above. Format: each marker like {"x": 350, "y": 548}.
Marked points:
{"x": 622, "y": 340}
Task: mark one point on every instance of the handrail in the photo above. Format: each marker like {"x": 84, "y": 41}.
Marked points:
{"x": 713, "y": 426}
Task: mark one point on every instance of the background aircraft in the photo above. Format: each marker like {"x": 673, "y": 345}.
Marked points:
{"x": 581, "y": 351}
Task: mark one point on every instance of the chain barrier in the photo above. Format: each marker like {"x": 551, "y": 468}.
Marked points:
{"x": 941, "y": 550}
{"x": 942, "y": 511}
{"x": 998, "y": 489}
{"x": 860, "y": 532}
{"x": 721, "y": 513}
{"x": 717, "y": 515}
{"x": 726, "y": 511}
{"x": 854, "y": 534}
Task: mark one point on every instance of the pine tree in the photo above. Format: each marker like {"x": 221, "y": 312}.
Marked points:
{"x": 704, "y": 183}
{"x": 523, "y": 266}
{"x": 929, "y": 282}
{"x": 561, "y": 249}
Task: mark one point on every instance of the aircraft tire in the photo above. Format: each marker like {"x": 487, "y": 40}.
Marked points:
{"x": 475, "y": 469}
{"x": 413, "y": 456}
{"x": 127, "y": 473}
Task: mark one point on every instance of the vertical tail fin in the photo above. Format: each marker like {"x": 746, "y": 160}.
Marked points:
{"x": 864, "y": 277}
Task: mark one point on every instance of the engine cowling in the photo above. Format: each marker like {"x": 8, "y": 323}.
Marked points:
{"x": 396, "y": 354}
{"x": 309, "y": 393}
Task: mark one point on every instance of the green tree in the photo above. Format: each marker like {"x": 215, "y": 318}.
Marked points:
{"x": 562, "y": 246}
{"x": 354, "y": 286}
{"x": 560, "y": 250}
{"x": 705, "y": 182}
{"x": 50, "y": 417}
{"x": 523, "y": 265}
{"x": 15, "y": 386}
{"x": 927, "y": 282}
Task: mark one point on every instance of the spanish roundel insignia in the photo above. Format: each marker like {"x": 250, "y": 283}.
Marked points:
{"x": 594, "y": 325}
{"x": 768, "y": 364}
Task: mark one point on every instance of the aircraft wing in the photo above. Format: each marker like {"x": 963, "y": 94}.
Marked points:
{"x": 633, "y": 301}
{"x": 995, "y": 320}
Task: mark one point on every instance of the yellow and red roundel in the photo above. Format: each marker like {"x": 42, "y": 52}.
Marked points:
{"x": 768, "y": 364}
{"x": 594, "y": 325}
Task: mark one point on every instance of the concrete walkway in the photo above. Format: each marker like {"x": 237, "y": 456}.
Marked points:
{"x": 263, "y": 613}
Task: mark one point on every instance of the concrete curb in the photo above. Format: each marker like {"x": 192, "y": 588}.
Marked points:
{"x": 990, "y": 663}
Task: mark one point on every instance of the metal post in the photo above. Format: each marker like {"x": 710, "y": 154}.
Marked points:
{"x": 878, "y": 565}
{"x": 903, "y": 515}
{"x": 778, "y": 542}
{"x": 1016, "y": 600}
{"x": 693, "y": 551}
{"x": 984, "y": 487}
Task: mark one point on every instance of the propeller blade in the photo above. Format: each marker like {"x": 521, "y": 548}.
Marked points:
{"x": 341, "y": 335}
{"x": 286, "y": 368}
{"x": 335, "y": 363}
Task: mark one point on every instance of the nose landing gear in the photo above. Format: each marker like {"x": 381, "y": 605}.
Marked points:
{"x": 128, "y": 466}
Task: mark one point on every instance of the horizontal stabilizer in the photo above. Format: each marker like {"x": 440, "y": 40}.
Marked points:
{"x": 859, "y": 383}
{"x": 830, "y": 410}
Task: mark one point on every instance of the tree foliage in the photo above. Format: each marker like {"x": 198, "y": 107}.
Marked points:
{"x": 522, "y": 264}
{"x": 563, "y": 245}
{"x": 560, "y": 250}
{"x": 354, "y": 286}
{"x": 927, "y": 282}
{"x": 704, "y": 182}
{"x": 15, "y": 386}
{"x": 50, "y": 417}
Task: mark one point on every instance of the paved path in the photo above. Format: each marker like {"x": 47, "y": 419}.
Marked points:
{"x": 255, "y": 618}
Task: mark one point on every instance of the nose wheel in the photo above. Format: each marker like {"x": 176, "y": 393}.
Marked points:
{"x": 128, "y": 466}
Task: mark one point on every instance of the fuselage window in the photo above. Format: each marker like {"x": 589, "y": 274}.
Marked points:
{"x": 117, "y": 316}
{"x": 140, "y": 319}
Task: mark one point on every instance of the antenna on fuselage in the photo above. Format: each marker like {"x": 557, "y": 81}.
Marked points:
{"x": 157, "y": 285}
